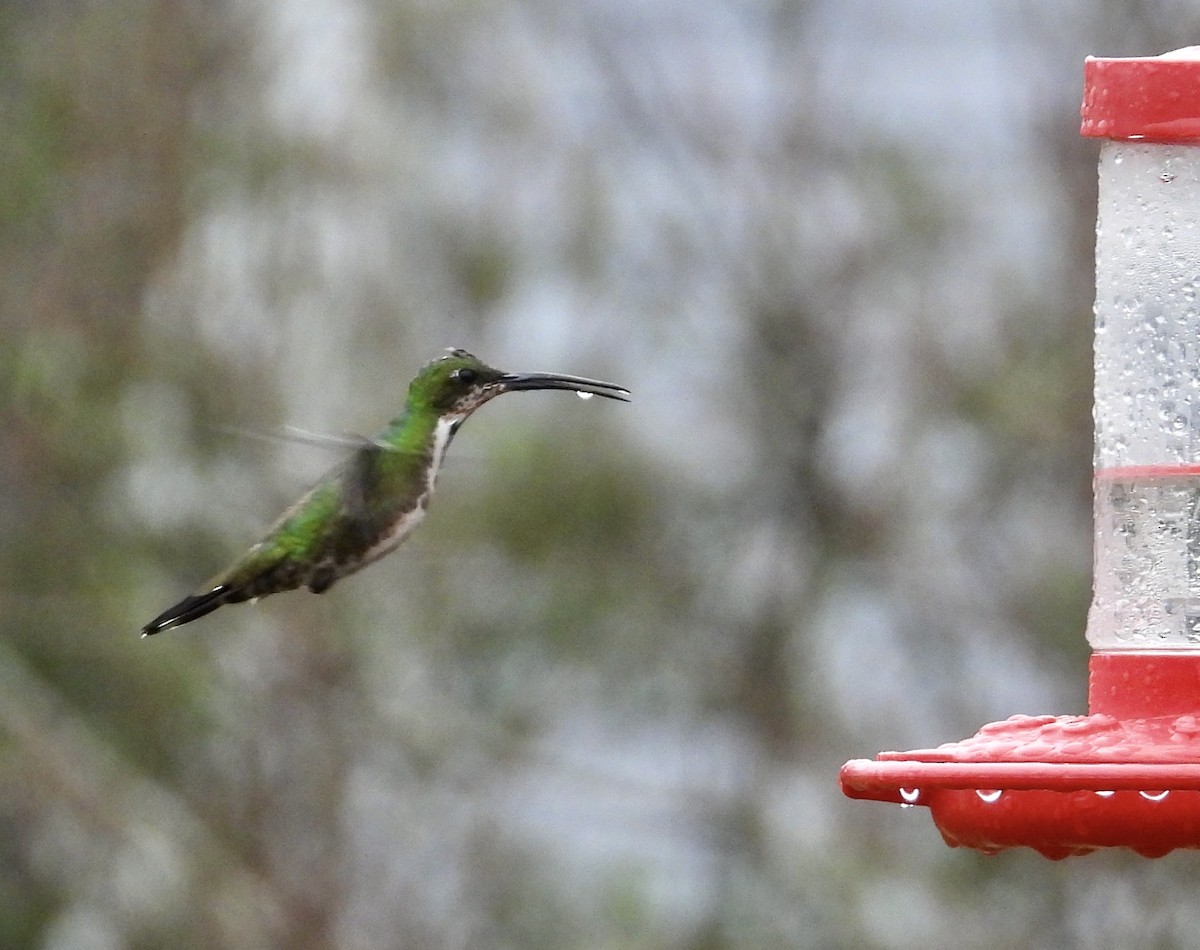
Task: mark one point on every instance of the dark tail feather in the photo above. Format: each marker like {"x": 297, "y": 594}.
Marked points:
{"x": 188, "y": 609}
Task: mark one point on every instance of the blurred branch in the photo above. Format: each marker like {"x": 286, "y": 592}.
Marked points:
{"x": 69, "y": 764}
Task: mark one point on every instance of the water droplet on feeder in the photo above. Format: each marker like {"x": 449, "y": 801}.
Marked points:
{"x": 910, "y": 795}
{"x": 584, "y": 395}
{"x": 1154, "y": 796}
{"x": 989, "y": 795}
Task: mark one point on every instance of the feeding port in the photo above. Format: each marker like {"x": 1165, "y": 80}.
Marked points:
{"x": 1127, "y": 774}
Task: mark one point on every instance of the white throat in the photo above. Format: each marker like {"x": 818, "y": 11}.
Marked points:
{"x": 404, "y": 526}
{"x": 442, "y": 434}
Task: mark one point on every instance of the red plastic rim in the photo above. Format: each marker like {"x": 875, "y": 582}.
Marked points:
{"x": 905, "y": 781}
{"x": 1156, "y": 99}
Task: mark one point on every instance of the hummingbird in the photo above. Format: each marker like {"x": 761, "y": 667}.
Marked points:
{"x": 363, "y": 508}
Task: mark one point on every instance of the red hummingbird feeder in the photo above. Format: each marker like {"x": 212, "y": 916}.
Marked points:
{"x": 1128, "y": 774}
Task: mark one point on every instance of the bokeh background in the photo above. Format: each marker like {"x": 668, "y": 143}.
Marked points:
{"x": 842, "y": 254}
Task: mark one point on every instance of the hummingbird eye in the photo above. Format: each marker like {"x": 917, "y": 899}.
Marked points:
{"x": 464, "y": 375}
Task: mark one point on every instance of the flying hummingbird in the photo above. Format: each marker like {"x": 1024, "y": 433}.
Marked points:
{"x": 364, "y": 508}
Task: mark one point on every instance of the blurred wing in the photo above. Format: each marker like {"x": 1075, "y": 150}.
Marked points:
{"x": 291, "y": 434}
{"x": 359, "y": 479}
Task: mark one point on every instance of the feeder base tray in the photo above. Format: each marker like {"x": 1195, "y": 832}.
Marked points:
{"x": 1066, "y": 785}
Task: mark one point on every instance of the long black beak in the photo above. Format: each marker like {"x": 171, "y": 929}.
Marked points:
{"x": 513, "y": 382}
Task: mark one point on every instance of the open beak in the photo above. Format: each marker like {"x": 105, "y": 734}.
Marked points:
{"x": 513, "y": 382}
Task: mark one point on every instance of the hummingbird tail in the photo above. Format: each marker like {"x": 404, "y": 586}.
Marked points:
{"x": 189, "y": 609}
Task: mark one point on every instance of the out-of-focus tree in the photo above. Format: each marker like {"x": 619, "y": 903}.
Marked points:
{"x": 96, "y": 169}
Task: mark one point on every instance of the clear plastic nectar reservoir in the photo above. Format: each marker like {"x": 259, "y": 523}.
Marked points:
{"x": 1147, "y": 458}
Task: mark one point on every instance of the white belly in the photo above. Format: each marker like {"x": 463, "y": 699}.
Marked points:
{"x": 409, "y": 521}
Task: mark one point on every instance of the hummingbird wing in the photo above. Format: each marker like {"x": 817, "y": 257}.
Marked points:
{"x": 295, "y": 435}
{"x": 360, "y": 480}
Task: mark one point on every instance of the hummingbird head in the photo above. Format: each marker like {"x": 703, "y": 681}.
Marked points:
{"x": 459, "y": 383}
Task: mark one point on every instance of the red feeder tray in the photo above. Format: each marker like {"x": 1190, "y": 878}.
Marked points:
{"x": 1128, "y": 774}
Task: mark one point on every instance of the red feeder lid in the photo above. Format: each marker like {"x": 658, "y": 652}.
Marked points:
{"x": 1156, "y": 99}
